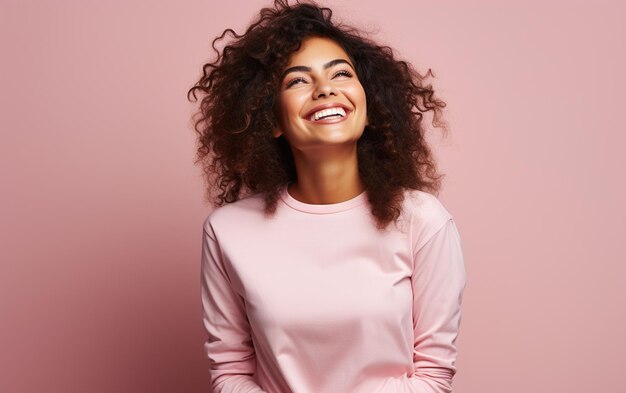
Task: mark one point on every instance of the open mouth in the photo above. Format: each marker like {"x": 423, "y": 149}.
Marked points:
{"x": 328, "y": 115}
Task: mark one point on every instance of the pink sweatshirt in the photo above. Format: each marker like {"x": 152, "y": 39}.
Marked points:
{"x": 317, "y": 300}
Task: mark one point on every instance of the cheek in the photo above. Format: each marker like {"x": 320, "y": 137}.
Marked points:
{"x": 356, "y": 93}
{"x": 359, "y": 99}
{"x": 289, "y": 106}
{"x": 362, "y": 97}
{"x": 282, "y": 112}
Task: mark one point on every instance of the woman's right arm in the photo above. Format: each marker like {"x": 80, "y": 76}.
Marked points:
{"x": 229, "y": 345}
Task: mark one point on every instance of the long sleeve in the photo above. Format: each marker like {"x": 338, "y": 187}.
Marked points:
{"x": 438, "y": 281}
{"x": 229, "y": 346}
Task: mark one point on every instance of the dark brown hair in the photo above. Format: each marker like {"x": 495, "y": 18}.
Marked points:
{"x": 235, "y": 144}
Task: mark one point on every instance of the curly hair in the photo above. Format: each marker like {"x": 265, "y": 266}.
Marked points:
{"x": 235, "y": 144}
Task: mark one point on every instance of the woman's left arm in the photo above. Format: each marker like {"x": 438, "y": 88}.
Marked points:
{"x": 438, "y": 282}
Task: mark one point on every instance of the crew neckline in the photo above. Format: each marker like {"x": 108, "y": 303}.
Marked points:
{"x": 324, "y": 208}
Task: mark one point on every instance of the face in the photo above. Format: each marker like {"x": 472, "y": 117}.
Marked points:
{"x": 320, "y": 101}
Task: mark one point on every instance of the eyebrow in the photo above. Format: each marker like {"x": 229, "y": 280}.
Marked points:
{"x": 308, "y": 69}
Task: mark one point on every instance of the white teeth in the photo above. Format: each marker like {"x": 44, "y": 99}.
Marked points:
{"x": 327, "y": 112}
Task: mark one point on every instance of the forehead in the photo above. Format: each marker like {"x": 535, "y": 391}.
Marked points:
{"x": 316, "y": 50}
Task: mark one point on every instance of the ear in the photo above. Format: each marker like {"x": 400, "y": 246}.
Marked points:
{"x": 276, "y": 132}
{"x": 367, "y": 121}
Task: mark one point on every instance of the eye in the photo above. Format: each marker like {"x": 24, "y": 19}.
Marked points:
{"x": 294, "y": 81}
{"x": 343, "y": 72}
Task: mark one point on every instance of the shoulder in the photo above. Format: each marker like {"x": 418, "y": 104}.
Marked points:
{"x": 426, "y": 214}
{"x": 231, "y": 215}
{"x": 425, "y": 206}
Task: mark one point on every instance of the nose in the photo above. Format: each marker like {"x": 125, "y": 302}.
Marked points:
{"x": 324, "y": 89}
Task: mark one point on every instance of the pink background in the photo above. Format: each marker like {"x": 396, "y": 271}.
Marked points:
{"x": 102, "y": 206}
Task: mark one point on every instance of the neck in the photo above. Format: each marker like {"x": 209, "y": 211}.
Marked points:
{"x": 328, "y": 177}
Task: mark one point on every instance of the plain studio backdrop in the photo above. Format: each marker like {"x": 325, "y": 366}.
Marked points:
{"x": 102, "y": 206}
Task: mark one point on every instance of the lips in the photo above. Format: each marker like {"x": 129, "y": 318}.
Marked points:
{"x": 326, "y": 106}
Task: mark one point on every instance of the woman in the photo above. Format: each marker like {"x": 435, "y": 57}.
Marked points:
{"x": 337, "y": 271}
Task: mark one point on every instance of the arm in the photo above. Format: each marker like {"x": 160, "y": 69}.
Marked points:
{"x": 229, "y": 346}
{"x": 438, "y": 281}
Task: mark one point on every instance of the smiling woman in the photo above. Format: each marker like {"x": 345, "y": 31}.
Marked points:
{"x": 321, "y": 110}
{"x": 328, "y": 264}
